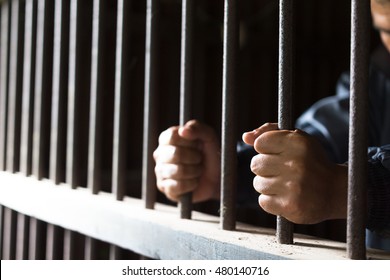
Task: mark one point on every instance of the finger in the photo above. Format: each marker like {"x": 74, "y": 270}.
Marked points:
{"x": 267, "y": 165}
{"x": 270, "y": 204}
{"x": 173, "y": 189}
{"x": 177, "y": 154}
{"x": 273, "y": 142}
{"x": 172, "y": 137}
{"x": 195, "y": 130}
{"x": 267, "y": 186}
{"x": 178, "y": 171}
{"x": 250, "y": 137}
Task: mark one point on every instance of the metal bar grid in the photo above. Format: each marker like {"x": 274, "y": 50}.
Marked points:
{"x": 284, "y": 229}
{"x": 358, "y": 129}
{"x": 228, "y": 149}
{"x": 185, "y": 203}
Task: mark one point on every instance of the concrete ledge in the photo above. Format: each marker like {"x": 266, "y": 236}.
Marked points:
{"x": 159, "y": 233}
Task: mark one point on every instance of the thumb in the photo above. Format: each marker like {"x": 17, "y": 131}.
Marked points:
{"x": 250, "y": 137}
{"x": 195, "y": 130}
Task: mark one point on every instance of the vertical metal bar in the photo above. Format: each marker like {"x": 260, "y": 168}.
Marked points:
{"x": 185, "y": 203}
{"x": 54, "y": 240}
{"x": 60, "y": 87}
{"x": 1, "y": 230}
{"x": 284, "y": 229}
{"x": 4, "y": 71}
{"x": 36, "y": 250}
{"x": 78, "y": 79}
{"x": 358, "y": 129}
{"x": 22, "y": 237}
{"x": 9, "y": 235}
{"x": 28, "y": 87}
{"x": 149, "y": 139}
{"x": 69, "y": 245}
{"x": 228, "y": 155}
{"x": 122, "y": 88}
{"x": 95, "y": 119}
{"x": 90, "y": 250}
{"x": 71, "y": 167}
{"x": 43, "y": 87}
{"x": 15, "y": 85}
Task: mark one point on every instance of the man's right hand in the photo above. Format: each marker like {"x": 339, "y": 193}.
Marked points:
{"x": 188, "y": 160}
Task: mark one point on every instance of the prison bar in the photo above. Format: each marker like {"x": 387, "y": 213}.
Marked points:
{"x": 284, "y": 229}
{"x": 228, "y": 148}
{"x": 22, "y": 237}
{"x": 122, "y": 87}
{"x": 28, "y": 87}
{"x": 185, "y": 203}
{"x": 59, "y": 92}
{"x": 4, "y": 72}
{"x": 150, "y": 134}
{"x": 95, "y": 119}
{"x": 120, "y": 140}
{"x": 43, "y": 88}
{"x": 358, "y": 129}
{"x": 15, "y": 85}
{"x": 78, "y": 85}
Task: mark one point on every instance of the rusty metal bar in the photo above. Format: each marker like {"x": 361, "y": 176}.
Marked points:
{"x": 122, "y": 88}
{"x": 15, "y": 85}
{"x": 284, "y": 229}
{"x": 28, "y": 87}
{"x": 149, "y": 191}
{"x": 4, "y": 72}
{"x": 185, "y": 203}
{"x": 22, "y": 237}
{"x": 228, "y": 149}
{"x": 9, "y": 234}
{"x": 358, "y": 129}
{"x": 43, "y": 87}
{"x": 36, "y": 249}
{"x": 60, "y": 88}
